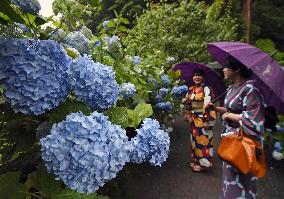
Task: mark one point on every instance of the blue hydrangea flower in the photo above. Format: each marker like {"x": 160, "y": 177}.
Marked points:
{"x": 179, "y": 91}
{"x": 35, "y": 77}
{"x": 165, "y": 80}
{"x": 85, "y": 151}
{"x": 163, "y": 92}
{"x": 165, "y": 106}
{"x": 153, "y": 81}
{"x": 112, "y": 43}
{"x": 158, "y": 98}
{"x": 150, "y": 144}
{"x": 87, "y": 32}
{"x": 97, "y": 43}
{"x": 21, "y": 27}
{"x": 60, "y": 35}
{"x": 93, "y": 83}
{"x": 105, "y": 24}
{"x": 137, "y": 60}
{"x": 30, "y": 6}
{"x": 170, "y": 60}
{"x": 278, "y": 146}
{"x": 78, "y": 40}
{"x": 127, "y": 90}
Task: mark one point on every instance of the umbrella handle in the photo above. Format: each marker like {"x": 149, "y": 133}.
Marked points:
{"x": 219, "y": 97}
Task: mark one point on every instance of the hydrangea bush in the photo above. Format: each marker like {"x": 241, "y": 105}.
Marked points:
{"x": 93, "y": 83}
{"x": 127, "y": 90}
{"x": 30, "y": 6}
{"x": 78, "y": 40}
{"x": 150, "y": 144}
{"x": 85, "y": 151}
{"x": 35, "y": 77}
{"x": 179, "y": 91}
{"x": 165, "y": 106}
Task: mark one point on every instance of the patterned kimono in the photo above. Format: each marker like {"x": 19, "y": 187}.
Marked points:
{"x": 246, "y": 101}
{"x": 201, "y": 139}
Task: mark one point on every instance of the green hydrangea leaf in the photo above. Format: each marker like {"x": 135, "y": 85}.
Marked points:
{"x": 143, "y": 110}
{"x": 10, "y": 186}
{"x": 118, "y": 115}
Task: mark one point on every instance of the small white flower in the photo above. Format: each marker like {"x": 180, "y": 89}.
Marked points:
{"x": 277, "y": 155}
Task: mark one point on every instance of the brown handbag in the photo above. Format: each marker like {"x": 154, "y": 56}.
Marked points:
{"x": 244, "y": 153}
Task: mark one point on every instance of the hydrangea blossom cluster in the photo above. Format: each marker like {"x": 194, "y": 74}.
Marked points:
{"x": 170, "y": 60}
{"x": 165, "y": 80}
{"x": 165, "y": 106}
{"x": 85, "y": 151}
{"x": 105, "y": 24}
{"x": 97, "y": 43}
{"x": 86, "y": 31}
{"x": 137, "y": 60}
{"x": 93, "y": 83}
{"x": 30, "y": 6}
{"x": 112, "y": 43}
{"x": 163, "y": 92}
{"x": 21, "y": 27}
{"x": 277, "y": 152}
{"x": 153, "y": 81}
{"x": 60, "y": 35}
{"x": 35, "y": 77}
{"x": 179, "y": 91}
{"x": 127, "y": 90}
{"x": 150, "y": 144}
{"x": 78, "y": 40}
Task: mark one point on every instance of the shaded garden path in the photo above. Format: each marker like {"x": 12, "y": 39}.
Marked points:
{"x": 174, "y": 180}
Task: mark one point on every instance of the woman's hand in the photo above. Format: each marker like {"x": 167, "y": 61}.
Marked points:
{"x": 225, "y": 116}
{"x": 210, "y": 105}
{"x": 184, "y": 100}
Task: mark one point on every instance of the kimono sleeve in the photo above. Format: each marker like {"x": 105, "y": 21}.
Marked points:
{"x": 209, "y": 114}
{"x": 252, "y": 116}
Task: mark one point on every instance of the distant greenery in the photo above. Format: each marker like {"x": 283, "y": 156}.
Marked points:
{"x": 181, "y": 31}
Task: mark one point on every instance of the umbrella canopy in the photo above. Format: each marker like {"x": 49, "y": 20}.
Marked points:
{"x": 212, "y": 78}
{"x": 269, "y": 75}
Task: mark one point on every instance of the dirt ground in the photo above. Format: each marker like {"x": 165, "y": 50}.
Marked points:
{"x": 175, "y": 180}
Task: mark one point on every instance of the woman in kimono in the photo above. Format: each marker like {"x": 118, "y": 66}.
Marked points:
{"x": 243, "y": 107}
{"x": 202, "y": 122}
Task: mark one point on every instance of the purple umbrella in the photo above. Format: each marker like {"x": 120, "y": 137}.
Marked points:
{"x": 269, "y": 75}
{"x": 212, "y": 78}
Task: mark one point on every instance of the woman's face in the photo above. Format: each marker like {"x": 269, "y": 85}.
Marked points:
{"x": 198, "y": 79}
{"x": 229, "y": 74}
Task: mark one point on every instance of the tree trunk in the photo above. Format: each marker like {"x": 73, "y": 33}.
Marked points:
{"x": 246, "y": 13}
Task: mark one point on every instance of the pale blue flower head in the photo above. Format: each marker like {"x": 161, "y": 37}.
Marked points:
{"x": 87, "y": 32}
{"x": 112, "y": 43}
{"x": 78, "y": 40}
{"x": 105, "y": 24}
{"x": 165, "y": 80}
{"x": 127, "y": 90}
{"x": 164, "y": 106}
{"x": 179, "y": 91}
{"x": 278, "y": 146}
{"x": 59, "y": 35}
{"x": 93, "y": 83}
{"x": 150, "y": 144}
{"x": 29, "y": 6}
{"x": 163, "y": 92}
{"x": 35, "y": 77}
{"x": 137, "y": 60}
{"x": 170, "y": 60}
{"x": 85, "y": 151}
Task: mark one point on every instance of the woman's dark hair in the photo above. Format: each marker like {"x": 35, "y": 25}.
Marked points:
{"x": 199, "y": 72}
{"x": 235, "y": 65}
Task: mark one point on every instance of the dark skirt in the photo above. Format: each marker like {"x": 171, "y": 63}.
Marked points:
{"x": 237, "y": 185}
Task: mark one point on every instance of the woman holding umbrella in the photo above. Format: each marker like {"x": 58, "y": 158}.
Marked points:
{"x": 202, "y": 122}
{"x": 243, "y": 107}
